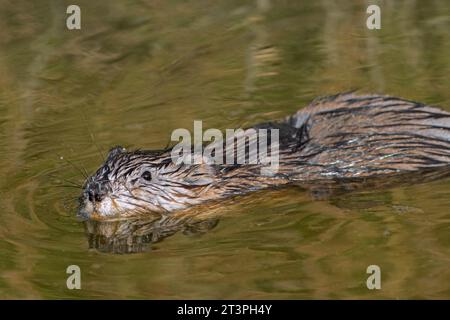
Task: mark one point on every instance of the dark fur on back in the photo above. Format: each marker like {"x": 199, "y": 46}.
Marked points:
{"x": 352, "y": 136}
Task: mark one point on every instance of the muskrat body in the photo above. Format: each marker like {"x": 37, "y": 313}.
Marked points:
{"x": 335, "y": 137}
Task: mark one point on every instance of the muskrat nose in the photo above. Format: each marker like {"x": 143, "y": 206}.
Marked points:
{"x": 94, "y": 196}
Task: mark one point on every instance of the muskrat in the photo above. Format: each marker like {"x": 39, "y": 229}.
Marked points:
{"x": 335, "y": 137}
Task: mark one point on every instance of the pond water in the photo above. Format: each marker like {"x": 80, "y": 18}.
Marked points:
{"x": 136, "y": 71}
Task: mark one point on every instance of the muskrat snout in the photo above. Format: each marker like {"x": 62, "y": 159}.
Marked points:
{"x": 91, "y": 198}
{"x": 94, "y": 197}
{"x": 95, "y": 192}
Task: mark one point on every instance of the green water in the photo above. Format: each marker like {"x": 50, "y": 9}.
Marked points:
{"x": 138, "y": 70}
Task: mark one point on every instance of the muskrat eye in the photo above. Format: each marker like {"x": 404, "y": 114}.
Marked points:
{"x": 147, "y": 175}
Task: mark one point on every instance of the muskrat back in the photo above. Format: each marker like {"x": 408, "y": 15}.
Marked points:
{"x": 351, "y": 135}
{"x": 335, "y": 137}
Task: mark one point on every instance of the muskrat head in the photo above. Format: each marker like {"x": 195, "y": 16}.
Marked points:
{"x": 136, "y": 182}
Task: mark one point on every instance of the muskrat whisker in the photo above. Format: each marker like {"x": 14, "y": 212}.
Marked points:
{"x": 70, "y": 184}
{"x": 66, "y": 180}
{"x": 67, "y": 186}
{"x": 91, "y": 136}
{"x": 72, "y": 199}
{"x": 83, "y": 172}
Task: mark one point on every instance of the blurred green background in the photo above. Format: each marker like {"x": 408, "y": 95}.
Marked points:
{"x": 139, "y": 69}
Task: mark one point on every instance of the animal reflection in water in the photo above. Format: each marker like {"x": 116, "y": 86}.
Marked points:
{"x": 134, "y": 235}
{"x": 137, "y": 234}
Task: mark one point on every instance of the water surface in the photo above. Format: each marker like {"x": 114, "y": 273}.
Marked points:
{"x": 138, "y": 70}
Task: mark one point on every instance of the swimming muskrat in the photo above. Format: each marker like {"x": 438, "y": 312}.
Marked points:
{"x": 335, "y": 137}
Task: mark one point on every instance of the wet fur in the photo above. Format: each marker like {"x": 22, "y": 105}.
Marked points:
{"x": 344, "y": 136}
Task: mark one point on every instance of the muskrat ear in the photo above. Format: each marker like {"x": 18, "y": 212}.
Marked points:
{"x": 115, "y": 151}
